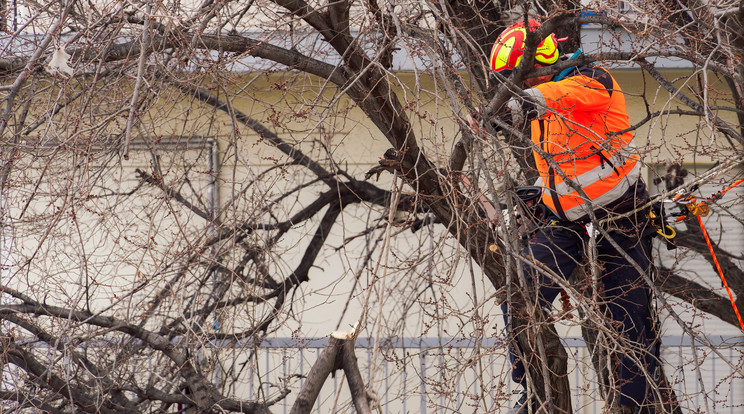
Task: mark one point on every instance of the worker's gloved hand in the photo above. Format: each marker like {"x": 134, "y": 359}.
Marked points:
{"x": 516, "y": 110}
{"x": 528, "y": 105}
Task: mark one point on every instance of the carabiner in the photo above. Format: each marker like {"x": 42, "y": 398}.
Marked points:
{"x": 662, "y": 232}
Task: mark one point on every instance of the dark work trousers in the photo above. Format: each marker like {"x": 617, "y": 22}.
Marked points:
{"x": 561, "y": 246}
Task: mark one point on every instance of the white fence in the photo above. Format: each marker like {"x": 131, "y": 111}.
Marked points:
{"x": 460, "y": 375}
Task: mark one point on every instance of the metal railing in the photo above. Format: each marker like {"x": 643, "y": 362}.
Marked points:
{"x": 453, "y": 375}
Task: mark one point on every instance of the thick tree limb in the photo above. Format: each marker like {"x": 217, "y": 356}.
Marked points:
{"x": 699, "y": 296}
{"x": 327, "y": 362}
{"x": 354, "y": 378}
{"x": 337, "y": 354}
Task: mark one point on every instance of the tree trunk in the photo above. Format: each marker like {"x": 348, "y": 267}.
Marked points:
{"x": 543, "y": 356}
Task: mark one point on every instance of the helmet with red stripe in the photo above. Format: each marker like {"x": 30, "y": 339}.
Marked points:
{"x": 508, "y": 49}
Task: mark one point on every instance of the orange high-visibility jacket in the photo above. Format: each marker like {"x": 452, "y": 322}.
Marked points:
{"x": 577, "y": 120}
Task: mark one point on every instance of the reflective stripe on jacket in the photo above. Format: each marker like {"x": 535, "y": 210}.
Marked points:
{"x": 576, "y": 124}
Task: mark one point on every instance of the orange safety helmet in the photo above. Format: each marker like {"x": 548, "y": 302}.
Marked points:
{"x": 508, "y": 49}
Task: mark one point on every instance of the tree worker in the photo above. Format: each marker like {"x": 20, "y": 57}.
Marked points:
{"x": 588, "y": 172}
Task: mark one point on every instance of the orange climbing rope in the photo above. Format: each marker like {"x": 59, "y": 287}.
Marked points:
{"x": 700, "y": 210}
{"x": 720, "y": 194}
{"x": 718, "y": 266}
{"x": 694, "y": 209}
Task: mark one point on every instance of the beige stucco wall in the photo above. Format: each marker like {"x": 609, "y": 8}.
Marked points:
{"x": 308, "y": 111}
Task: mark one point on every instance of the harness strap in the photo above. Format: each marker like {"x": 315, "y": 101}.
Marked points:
{"x": 554, "y": 194}
{"x": 603, "y": 159}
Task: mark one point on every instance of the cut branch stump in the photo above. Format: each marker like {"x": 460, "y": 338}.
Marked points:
{"x": 338, "y": 354}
